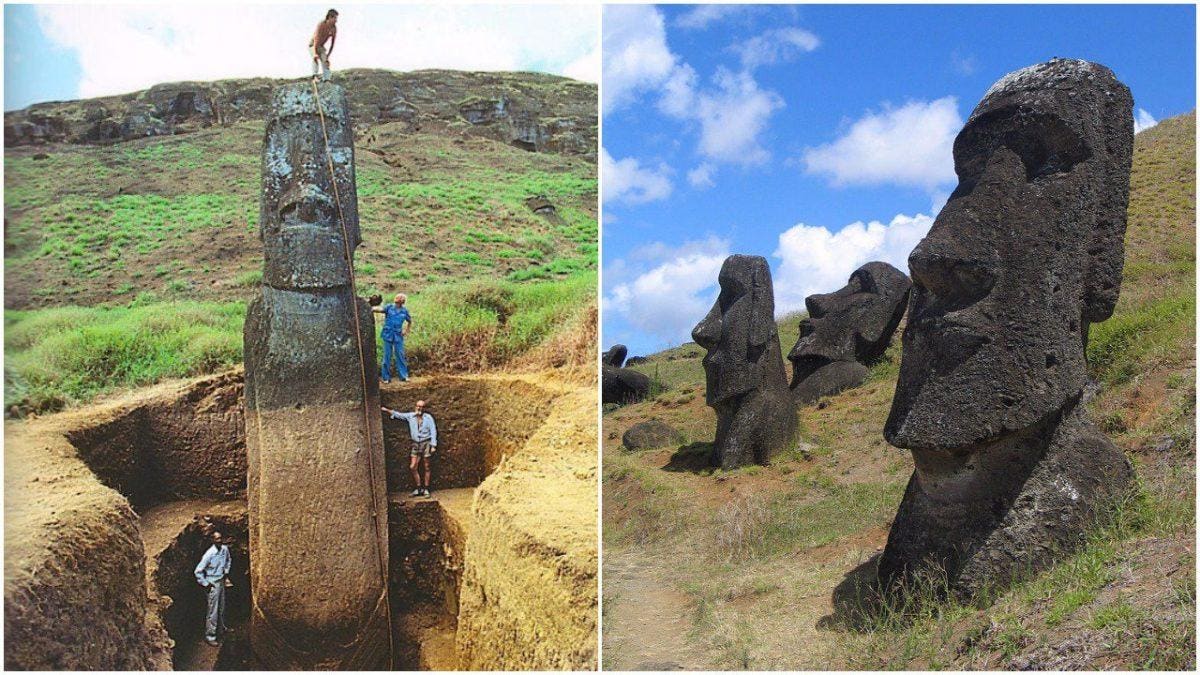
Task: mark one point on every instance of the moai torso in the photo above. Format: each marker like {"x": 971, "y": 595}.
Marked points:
{"x": 846, "y": 331}
{"x": 1026, "y": 253}
{"x": 317, "y": 499}
{"x": 744, "y": 375}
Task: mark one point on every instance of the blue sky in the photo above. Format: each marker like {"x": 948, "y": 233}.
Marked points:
{"x": 62, "y": 52}
{"x": 817, "y": 136}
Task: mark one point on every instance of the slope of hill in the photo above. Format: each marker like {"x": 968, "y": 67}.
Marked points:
{"x": 759, "y": 568}
{"x": 477, "y": 197}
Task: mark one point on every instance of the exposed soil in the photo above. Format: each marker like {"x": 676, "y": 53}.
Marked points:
{"x": 106, "y": 508}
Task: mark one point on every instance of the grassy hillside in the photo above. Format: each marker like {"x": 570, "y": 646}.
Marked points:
{"x": 132, "y": 261}
{"x": 758, "y": 568}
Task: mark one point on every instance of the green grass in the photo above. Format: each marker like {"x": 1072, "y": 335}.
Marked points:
{"x": 69, "y": 355}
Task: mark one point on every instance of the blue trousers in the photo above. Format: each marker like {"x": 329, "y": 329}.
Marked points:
{"x": 214, "y": 619}
{"x": 396, "y": 350}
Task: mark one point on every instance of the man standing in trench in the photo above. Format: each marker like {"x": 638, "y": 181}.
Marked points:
{"x": 212, "y": 573}
{"x": 424, "y": 443}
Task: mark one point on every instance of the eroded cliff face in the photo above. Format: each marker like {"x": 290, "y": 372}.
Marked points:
{"x": 531, "y": 111}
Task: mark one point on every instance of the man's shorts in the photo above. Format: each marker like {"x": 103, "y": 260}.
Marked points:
{"x": 421, "y": 449}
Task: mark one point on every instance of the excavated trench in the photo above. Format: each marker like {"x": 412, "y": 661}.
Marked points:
{"x": 178, "y": 459}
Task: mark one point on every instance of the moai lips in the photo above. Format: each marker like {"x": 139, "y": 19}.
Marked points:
{"x": 745, "y": 380}
{"x": 846, "y": 331}
{"x": 1024, "y": 256}
{"x": 314, "y": 441}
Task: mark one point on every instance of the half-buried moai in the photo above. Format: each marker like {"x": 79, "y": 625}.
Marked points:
{"x": 314, "y": 442}
{"x": 744, "y": 375}
{"x": 846, "y": 331}
{"x": 1024, "y": 256}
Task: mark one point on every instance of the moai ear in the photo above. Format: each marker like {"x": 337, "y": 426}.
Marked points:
{"x": 762, "y": 307}
{"x": 1106, "y": 248}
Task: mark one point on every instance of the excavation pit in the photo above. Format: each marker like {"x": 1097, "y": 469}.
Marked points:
{"x": 107, "y": 508}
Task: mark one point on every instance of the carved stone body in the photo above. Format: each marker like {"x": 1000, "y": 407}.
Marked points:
{"x": 846, "y": 331}
{"x": 314, "y": 442}
{"x": 745, "y": 379}
{"x": 1027, "y": 252}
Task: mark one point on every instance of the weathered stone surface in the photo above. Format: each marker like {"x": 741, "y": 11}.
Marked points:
{"x": 650, "y": 434}
{"x": 1027, "y": 253}
{"x": 745, "y": 380}
{"x": 635, "y": 360}
{"x": 846, "y": 331}
{"x": 622, "y": 385}
{"x": 615, "y": 356}
{"x": 317, "y": 499}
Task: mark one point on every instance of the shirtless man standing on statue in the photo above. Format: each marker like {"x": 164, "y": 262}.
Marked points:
{"x": 326, "y": 32}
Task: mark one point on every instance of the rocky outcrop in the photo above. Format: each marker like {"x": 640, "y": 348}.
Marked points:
{"x": 745, "y": 382}
{"x": 846, "y": 331}
{"x": 314, "y": 442}
{"x": 1025, "y": 255}
{"x": 532, "y": 111}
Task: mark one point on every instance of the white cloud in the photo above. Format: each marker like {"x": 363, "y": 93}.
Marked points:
{"x": 636, "y": 56}
{"x": 731, "y": 115}
{"x": 702, "y": 15}
{"x": 586, "y": 68}
{"x": 125, "y": 48}
{"x": 815, "y": 260}
{"x": 910, "y": 145}
{"x": 628, "y": 182}
{"x": 668, "y": 299}
{"x": 775, "y": 46}
{"x": 702, "y": 176}
{"x": 963, "y": 64}
{"x": 1143, "y": 121}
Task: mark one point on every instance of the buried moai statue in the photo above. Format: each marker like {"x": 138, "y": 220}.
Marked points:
{"x": 846, "y": 331}
{"x": 744, "y": 375}
{"x": 620, "y": 385}
{"x": 314, "y": 443}
{"x": 1025, "y": 255}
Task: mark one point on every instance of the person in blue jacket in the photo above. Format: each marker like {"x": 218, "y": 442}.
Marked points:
{"x": 396, "y": 324}
{"x": 213, "y": 574}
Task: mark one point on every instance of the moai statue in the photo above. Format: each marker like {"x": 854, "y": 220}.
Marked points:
{"x": 1025, "y": 255}
{"x": 744, "y": 375}
{"x": 846, "y": 331}
{"x": 615, "y": 356}
{"x": 314, "y": 442}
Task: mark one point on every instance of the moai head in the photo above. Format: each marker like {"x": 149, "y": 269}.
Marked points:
{"x": 300, "y": 219}
{"x": 738, "y": 328}
{"x": 615, "y": 356}
{"x": 1026, "y": 253}
{"x": 853, "y": 323}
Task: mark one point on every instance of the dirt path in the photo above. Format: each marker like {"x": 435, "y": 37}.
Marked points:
{"x": 647, "y": 621}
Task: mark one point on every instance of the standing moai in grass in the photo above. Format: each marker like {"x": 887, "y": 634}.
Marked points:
{"x": 1010, "y": 471}
{"x": 846, "y": 331}
{"x": 744, "y": 375}
{"x": 314, "y": 442}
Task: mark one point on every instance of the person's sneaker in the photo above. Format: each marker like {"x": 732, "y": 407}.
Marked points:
{"x": 425, "y": 492}
{"x": 385, "y": 381}
{"x": 212, "y": 642}
{"x": 417, "y": 492}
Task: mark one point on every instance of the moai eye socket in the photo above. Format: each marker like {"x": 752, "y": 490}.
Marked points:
{"x": 1045, "y": 144}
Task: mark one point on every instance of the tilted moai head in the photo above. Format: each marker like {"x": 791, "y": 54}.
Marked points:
{"x": 1026, "y": 253}
{"x": 1024, "y": 256}
{"x": 302, "y": 211}
{"x": 745, "y": 379}
{"x": 847, "y": 330}
{"x": 615, "y": 356}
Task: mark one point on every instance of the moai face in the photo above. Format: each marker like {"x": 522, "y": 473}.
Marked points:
{"x": 1025, "y": 254}
{"x": 301, "y": 222}
{"x": 737, "y": 329}
{"x": 854, "y": 323}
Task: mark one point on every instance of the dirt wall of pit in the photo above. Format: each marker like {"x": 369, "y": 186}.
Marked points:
{"x": 478, "y": 422}
{"x": 529, "y": 587}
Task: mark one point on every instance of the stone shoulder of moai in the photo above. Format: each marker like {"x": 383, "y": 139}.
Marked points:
{"x": 1025, "y": 255}
{"x": 846, "y": 331}
{"x": 745, "y": 380}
